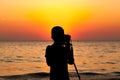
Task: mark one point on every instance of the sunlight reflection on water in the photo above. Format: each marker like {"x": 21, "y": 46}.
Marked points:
{"x": 22, "y": 57}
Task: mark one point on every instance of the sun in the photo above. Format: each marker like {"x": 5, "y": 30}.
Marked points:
{"x": 63, "y": 14}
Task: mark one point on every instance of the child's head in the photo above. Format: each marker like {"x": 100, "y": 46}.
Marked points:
{"x": 57, "y": 34}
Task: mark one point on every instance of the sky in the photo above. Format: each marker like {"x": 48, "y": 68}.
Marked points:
{"x": 82, "y": 19}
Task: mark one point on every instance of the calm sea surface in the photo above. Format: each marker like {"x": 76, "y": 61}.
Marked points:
{"x": 22, "y": 57}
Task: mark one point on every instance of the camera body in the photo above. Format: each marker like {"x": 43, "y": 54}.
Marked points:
{"x": 67, "y": 38}
{"x": 69, "y": 48}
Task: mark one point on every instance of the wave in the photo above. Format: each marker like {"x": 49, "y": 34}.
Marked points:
{"x": 42, "y": 74}
{"x": 45, "y": 76}
{"x": 116, "y": 73}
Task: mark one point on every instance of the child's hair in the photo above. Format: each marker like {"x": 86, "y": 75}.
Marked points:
{"x": 57, "y": 33}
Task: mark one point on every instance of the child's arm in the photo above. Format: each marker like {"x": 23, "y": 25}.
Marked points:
{"x": 47, "y": 56}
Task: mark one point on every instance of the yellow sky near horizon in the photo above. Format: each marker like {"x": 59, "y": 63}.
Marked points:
{"x": 83, "y": 19}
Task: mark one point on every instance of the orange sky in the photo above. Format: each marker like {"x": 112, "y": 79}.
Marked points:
{"x": 83, "y": 19}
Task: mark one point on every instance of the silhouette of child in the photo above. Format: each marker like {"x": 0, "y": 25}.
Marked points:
{"x": 59, "y": 55}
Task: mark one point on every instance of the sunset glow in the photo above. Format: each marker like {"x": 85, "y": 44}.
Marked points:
{"x": 83, "y": 19}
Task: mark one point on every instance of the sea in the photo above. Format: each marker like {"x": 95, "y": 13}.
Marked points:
{"x": 24, "y": 57}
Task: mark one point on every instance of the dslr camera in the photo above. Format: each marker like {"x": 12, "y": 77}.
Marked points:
{"x": 67, "y": 38}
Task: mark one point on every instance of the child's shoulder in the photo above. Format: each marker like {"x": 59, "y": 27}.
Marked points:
{"x": 49, "y": 46}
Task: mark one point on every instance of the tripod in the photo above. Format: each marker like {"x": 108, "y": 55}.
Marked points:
{"x": 75, "y": 65}
{"x": 69, "y": 46}
{"x": 77, "y": 71}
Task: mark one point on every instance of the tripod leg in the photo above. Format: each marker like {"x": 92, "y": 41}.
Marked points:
{"x": 77, "y": 71}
